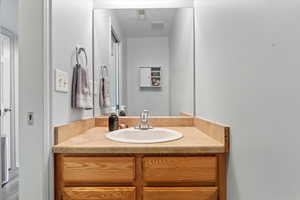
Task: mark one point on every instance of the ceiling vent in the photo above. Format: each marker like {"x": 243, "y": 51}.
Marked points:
{"x": 157, "y": 25}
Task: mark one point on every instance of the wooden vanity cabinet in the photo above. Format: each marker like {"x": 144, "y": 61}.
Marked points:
{"x": 99, "y": 193}
{"x": 95, "y": 170}
{"x": 180, "y": 169}
{"x": 140, "y": 177}
{"x": 180, "y": 193}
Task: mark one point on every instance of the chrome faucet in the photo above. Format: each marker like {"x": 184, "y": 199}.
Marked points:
{"x": 144, "y": 121}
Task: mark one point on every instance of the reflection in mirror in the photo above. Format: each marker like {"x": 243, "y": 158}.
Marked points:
{"x": 144, "y": 60}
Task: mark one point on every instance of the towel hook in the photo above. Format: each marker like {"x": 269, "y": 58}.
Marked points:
{"x": 104, "y": 71}
{"x": 79, "y": 50}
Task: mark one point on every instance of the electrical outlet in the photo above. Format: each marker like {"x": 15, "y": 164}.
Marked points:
{"x": 61, "y": 81}
{"x": 30, "y": 119}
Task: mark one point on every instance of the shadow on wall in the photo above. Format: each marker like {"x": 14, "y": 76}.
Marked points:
{"x": 232, "y": 182}
{"x": 150, "y": 89}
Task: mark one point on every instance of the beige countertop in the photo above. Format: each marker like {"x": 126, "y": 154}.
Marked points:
{"x": 94, "y": 141}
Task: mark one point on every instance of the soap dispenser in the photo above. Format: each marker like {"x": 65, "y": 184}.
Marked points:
{"x": 113, "y": 122}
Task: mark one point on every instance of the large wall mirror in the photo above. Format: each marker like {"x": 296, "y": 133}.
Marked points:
{"x": 144, "y": 60}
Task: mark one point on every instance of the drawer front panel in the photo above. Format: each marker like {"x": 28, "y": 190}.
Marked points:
{"x": 180, "y": 169}
{"x": 89, "y": 170}
{"x": 181, "y": 193}
{"x": 99, "y": 193}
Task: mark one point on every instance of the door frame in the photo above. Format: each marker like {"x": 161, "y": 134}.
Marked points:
{"x": 115, "y": 37}
{"x": 48, "y": 172}
{"x": 41, "y": 11}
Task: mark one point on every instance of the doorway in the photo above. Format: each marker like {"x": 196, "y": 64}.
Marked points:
{"x": 8, "y": 136}
{"x": 114, "y": 72}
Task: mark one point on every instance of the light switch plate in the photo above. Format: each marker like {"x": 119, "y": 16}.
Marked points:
{"x": 61, "y": 81}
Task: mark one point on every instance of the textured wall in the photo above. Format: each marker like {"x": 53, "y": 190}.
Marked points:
{"x": 248, "y": 77}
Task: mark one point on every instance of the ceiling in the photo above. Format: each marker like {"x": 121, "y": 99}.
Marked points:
{"x": 132, "y": 26}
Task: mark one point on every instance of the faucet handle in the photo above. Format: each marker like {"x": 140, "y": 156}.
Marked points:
{"x": 144, "y": 119}
{"x": 145, "y": 114}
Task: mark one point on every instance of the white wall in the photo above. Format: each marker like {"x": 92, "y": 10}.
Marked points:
{"x": 71, "y": 26}
{"x": 182, "y": 62}
{"x": 31, "y": 35}
{"x": 143, "y": 52}
{"x": 248, "y": 77}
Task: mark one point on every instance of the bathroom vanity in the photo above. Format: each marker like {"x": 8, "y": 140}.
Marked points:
{"x": 88, "y": 166}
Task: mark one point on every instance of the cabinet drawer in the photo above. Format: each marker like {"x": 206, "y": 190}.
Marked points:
{"x": 180, "y": 169}
{"x": 180, "y": 193}
{"x": 99, "y": 193}
{"x": 89, "y": 170}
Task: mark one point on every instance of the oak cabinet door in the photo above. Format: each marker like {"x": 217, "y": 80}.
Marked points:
{"x": 180, "y": 170}
{"x": 99, "y": 193}
{"x": 180, "y": 193}
{"x": 93, "y": 170}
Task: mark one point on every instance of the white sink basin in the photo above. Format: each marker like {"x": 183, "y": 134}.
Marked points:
{"x": 155, "y": 135}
